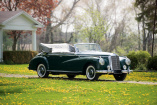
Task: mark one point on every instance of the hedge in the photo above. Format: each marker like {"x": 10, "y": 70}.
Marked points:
{"x": 132, "y": 56}
{"x": 18, "y": 57}
{"x": 152, "y": 63}
{"x": 139, "y": 59}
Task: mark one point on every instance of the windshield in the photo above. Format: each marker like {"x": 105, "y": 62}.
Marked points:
{"x": 87, "y": 47}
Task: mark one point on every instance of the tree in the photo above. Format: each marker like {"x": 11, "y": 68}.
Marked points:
{"x": 147, "y": 16}
{"x": 91, "y": 26}
{"x": 40, "y": 9}
{"x": 94, "y": 31}
{"x": 57, "y": 21}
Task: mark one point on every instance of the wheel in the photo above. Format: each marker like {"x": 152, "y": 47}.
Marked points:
{"x": 120, "y": 77}
{"x": 91, "y": 73}
{"x": 41, "y": 71}
{"x": 71, "y": 76}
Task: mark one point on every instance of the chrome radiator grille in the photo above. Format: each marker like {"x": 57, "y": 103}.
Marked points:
{"x": 115, "y": 63}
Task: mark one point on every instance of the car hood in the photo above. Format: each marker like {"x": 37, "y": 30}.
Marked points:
{"x": 94, "y": 53}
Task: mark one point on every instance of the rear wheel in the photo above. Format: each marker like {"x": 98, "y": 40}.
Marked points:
{"x": 41, "y": 71}
{"x": 120, "y": 77}
{"x": 71, "y": 76}
{"x": 91, "y": 73}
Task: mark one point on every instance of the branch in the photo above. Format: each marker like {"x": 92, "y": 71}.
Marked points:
{"x": 61, "y": 22}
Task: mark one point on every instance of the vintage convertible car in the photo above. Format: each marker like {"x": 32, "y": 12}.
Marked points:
{"x": 80, "y": 59}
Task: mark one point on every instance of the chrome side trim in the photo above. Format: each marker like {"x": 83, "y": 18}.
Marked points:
{"x": 112, "y": 71}
{"x": 63, "y": 71}
{"x": 104, "y": 71}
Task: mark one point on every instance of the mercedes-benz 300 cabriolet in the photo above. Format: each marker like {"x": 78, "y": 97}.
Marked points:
{"x": 80, "y": 59}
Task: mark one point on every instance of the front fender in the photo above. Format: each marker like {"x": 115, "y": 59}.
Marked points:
{"x": 122, "y": 62}
{"x": 91, "y": 60}
{"x": 38, "y": 60}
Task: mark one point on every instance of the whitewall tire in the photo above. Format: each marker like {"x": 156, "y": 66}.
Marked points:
{"x": 41, "y": 71}
{"x": 91, "y": 73}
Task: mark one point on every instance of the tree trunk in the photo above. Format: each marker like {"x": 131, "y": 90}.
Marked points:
{"x": 114, "y": 40}
{"x": 154, "y": 29}
{"x": 68, "y": 41}
{"x": 139, "y": 38}
{"x": 144, "y": 33}
{"x": 48, "y": 30}
{"x": 14, "y": 43}
{"x": 51, "y": 37}
{"x": 149, "y": 42}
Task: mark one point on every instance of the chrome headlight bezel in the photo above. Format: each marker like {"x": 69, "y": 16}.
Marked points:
{"x": 127, "y": 61}
{"x": 101, "y": 61}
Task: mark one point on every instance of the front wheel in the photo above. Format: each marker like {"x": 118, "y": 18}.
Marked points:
{"x": 120, "y": 77}
{"x": 91, "y": 73}
{"x": 41, "y": 71}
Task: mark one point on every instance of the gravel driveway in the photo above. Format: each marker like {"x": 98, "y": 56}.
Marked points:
{"x": 35, "y": 76}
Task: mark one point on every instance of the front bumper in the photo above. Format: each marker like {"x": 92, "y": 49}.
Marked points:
{"x": 113, "y": 71}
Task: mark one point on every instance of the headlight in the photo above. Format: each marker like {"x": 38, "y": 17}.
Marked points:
{"x": 127, "y": 61}
{"x": 101, "y": 61}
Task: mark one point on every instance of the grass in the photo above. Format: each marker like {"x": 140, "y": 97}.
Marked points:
{"x": 16, "y": 69}
{"x": 57, "y": 91}
{"x": 22, "y": 69}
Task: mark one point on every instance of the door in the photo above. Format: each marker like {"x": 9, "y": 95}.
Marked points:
{"x": 63, "y": 62}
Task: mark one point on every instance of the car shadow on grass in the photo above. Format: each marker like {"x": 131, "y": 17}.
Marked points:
{"x": 74, "y": 79}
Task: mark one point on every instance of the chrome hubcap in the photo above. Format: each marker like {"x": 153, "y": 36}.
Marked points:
{"x": 41, "y": 70}
{"x": 90, "y": 72}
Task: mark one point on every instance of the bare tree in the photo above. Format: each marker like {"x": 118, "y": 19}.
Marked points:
{"x": 57, "y": 21}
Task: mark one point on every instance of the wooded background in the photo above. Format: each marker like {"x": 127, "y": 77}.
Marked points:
{"x": 119, "y": 26}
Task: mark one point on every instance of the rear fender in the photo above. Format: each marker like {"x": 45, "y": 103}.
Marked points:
{"x": 38, "y": 60}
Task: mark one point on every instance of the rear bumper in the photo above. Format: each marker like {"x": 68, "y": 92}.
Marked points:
{"x": 113, "y": 71}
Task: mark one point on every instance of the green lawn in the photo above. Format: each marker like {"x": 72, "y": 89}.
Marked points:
{"x": 16, "y": 69}
{"x": 22, "y": 69}
{"x": 57, "y": 91}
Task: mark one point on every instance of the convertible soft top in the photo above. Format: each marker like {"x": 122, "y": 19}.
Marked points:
{"x": 62, "y": 47}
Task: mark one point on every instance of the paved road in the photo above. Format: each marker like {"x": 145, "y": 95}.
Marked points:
{"x": 35, "y": 76}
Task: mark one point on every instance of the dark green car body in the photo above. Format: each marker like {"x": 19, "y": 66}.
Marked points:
{"x": 74, "y": 63}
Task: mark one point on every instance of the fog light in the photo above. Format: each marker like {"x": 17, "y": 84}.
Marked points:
{"x": 108, "y": 67}
{"x": 124, "y": 67}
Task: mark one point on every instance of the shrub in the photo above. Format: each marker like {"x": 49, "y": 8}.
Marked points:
{"x": 152, "y": 63}
{"x": 132, "y": 56}
{"x": 139, "y": 59}
{"x": 141, "y": 67}
{"x": 142, "y": 57}
{"x": 18, "y": 57}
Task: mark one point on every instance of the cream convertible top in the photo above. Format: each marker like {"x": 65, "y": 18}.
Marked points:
{"x": 63, "y": 47}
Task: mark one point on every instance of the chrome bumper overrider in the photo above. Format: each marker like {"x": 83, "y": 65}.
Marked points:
{"x": 112, "y": 71}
